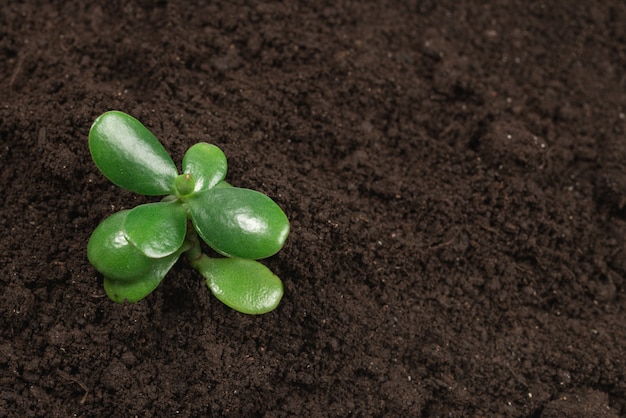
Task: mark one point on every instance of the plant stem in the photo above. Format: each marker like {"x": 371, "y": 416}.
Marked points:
{"x": 194, "y": 253}
{"x": 195, "y": 257}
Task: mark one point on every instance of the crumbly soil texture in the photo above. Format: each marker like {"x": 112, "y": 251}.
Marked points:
{"x": 454, "y": 173}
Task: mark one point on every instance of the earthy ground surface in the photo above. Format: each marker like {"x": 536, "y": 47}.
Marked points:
{"x": 453, "y": 171}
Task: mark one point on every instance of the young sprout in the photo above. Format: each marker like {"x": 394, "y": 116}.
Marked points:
{"x": 134, "y": 249}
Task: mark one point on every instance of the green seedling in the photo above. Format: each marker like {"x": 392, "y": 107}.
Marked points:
{"x": 134, "y": 249}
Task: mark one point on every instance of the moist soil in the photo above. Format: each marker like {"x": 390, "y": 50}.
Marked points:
{"x": 454, "y": 176}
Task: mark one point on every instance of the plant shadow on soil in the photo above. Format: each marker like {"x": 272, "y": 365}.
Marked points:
{"x": 453, "y": 174}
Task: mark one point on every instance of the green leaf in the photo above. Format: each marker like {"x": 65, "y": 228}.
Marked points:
{"x": 110, "y": 252}
{"x": 130, "y": 156}
{"x": 128, "y": 273}
{"x": 244, "y": 285}
{"x": 121, "y": 291}
{"x": 239, "y": 222}
{"x": 157, "y": 229}
{"x": 206, "y": 163}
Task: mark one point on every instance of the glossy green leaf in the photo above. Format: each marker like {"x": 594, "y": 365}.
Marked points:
{"x": 239, "y": 222}
{"x": 134, "y": 290}
{"x": 110, "y": 252}
{"x": 206, "y": 163}
{"x": 244, "y": 285}
{"x": 130, "y": 156}
{"x": 157, "y": 229}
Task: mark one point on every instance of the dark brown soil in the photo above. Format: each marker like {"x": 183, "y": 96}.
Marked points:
{"x": 455, "y": 177}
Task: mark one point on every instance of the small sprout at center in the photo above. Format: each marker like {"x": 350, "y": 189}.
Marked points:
{"x": 184, "y": 184}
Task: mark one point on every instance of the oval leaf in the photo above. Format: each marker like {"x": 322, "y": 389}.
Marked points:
{"x": 112, "y": 254}
{"x": 121, "y": 291}
{"x": 206, "y": 163}
{"x": 246, "y": 286}
{"x": 157, "y": 229}
{"x": 239, "y": 222}
{"x": 130, "y": 156}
